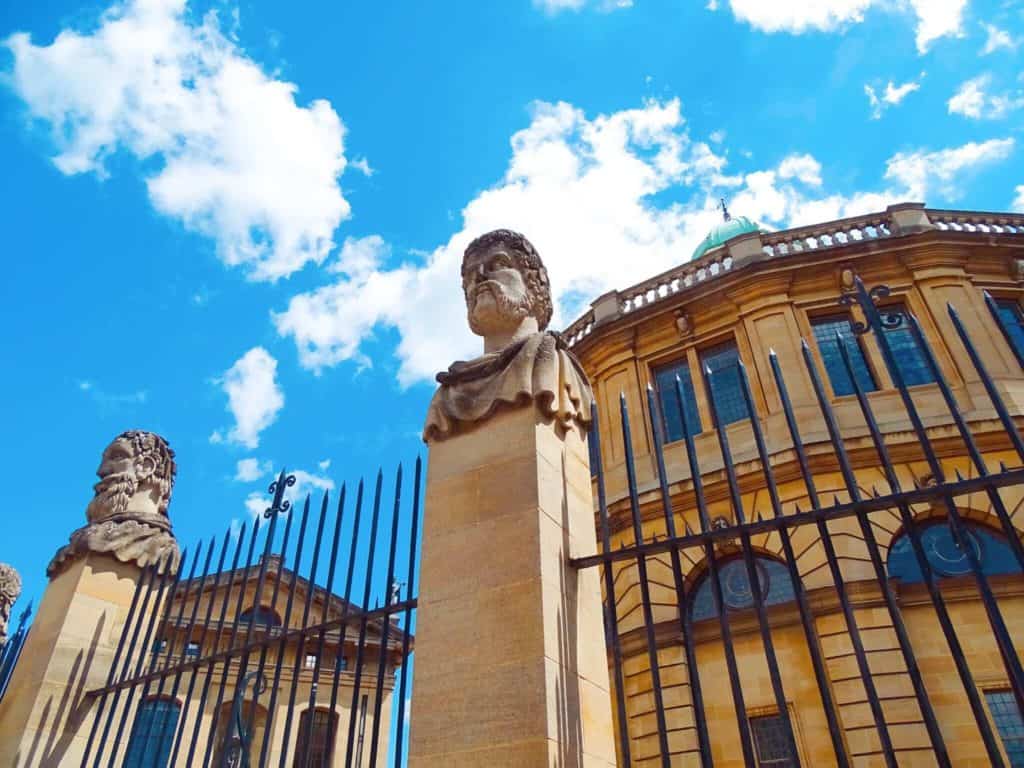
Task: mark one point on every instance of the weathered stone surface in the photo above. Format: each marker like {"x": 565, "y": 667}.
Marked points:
{"x": 10, "y": 588}
{"x": 127, "y": 516}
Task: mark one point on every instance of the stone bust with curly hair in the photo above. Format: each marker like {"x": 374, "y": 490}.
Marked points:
{"x": 508, "y": 303}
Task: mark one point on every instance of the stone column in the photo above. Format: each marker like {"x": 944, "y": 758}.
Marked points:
{"x": 511, "y": 667}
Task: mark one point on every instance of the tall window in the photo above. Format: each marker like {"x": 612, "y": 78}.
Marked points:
{"x": 316, "y": 738}
{"x": 1012, "y": 320}
{"x": 724, "y": 383}
{"x": 152, "y": 734}
{"x": 772, "y": 576}
{"x": 672, "y": 420}
{"x": 770, "y": 742}
{"x": 945, "y": 558}
{"x": 1009, "y": 723}
{"x": 825, "y": 329}
{"x": 910, "y": 359}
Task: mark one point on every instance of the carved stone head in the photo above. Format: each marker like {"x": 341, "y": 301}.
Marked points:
{"x": 504, "y": 282}
{"x": 10, "y": 589}
{"x": 136, "y": 477}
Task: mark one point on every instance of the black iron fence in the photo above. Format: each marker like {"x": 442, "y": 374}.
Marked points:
{"x": 724, "y": 548}
{"x": 10, "y": 651}
{"x": 292, "y": 655}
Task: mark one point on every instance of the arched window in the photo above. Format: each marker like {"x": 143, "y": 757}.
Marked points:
{"x": 317, "y": 731}
{"x": 263, "y": 616}
{"x": 772, "y": 576}
{"x": 152, "y": 734}
{"x": 945, "y": 557}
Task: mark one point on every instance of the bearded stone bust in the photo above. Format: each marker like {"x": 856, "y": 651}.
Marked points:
{"x": 508, "y": 303}
{"x": 10, "y": 589}
{"x": 127, "y": 516}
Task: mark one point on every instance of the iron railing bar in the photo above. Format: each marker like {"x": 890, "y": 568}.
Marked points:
{"x": 837, "y": 511}
{"x": 611, "y": 609}
{"x": 806, "y": 616}
{"x": 220, "y": 624}
{"x": 938, "y": 603}
{"x": 995, "y": 617}
{"x": 301, "y": 648}
{"x": 909, "y": 658}
{"x": 693, "y": 672}
{"x": 645, "y": 589}
{"x": 736, "y": 500}
{"x": 867, "y": 680}
{"x": 407, "y": 620}
{"x": 340, "y": 658}
{"x": 146, "y": 648}
{"x": 994, "y": 309}
{"x": 170, "y": 645}
{"x": 735, "y": 683}
{"x": 202, "y": 640}
{"x": 282, "y": 641}
{"x": 382, "y": 649}
{"x": 128, "y": 622}
{"x": 360, "y": 646}
{"x": 232, "y": 637}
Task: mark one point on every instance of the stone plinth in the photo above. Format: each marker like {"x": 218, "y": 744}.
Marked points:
{"x": 511, "y": 668}
{"x": 45, "y": 717}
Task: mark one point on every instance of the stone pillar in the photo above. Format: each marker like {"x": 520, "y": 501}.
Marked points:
{"x": 511, "y": 667}
{"x": 45, "y": 717}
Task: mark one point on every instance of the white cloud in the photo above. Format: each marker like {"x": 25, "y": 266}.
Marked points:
{"x": 250, "y": 470}
{"x": 605, "y": 199}
{"x": 324, "y": 465}
{"x": 305, "y": 483}
{"x": 891, "y": 96}
{"x": 254, "y": 397}
{"x": 943, "y": 170}
{"x": 801, "y": 167}
{"x": 224, "y": 147}
{"x": 554, "y": 6}
{"x": 362, "y": 165}
{"x": 934, "y": 18}
{"x": 105, "y": 398}
{"x": 996, "y": 39}
{"x": 1018, "y": 202}
{"x": 971, "y": 100}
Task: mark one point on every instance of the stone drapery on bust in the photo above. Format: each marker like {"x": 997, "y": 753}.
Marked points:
{"x": 127, "y": 516}
{"x": 508, "y": 302}
{"x": 10, "y": 589}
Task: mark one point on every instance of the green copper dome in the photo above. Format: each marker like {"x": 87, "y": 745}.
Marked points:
{"x": 725, "y": 230}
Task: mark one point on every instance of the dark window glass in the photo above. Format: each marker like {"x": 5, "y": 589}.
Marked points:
{"x": 770, "y": 742}
{"x": 316, "y": 738}
{"x": 724, "y": 383}
{"x": 665, "y": 380}
{"x": 944, "y": 556}
{"x": 152, "y": 734}
{"x": 192, "y": 648}
{"x": 825, "y": 332}
{"x": 1012, "y": 320}
{"x": 909, "y": 357}
{"x": 1006, "y": 715}
{"x": 773, "y": 578}
{"x": 262, "y": 616}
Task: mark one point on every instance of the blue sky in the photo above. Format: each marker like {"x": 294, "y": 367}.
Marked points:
{"x": 239, "y": 225}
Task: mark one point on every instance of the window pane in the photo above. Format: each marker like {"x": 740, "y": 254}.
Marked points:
{"x": 665, "y": 380}
{"x": 1013, "y": 323}
{"x": 1009, "y": 723}
{"x": 825, "y": 332}
{"x": 773, "y": 579}
{"x": 944, "y": 556}
{"x": 909, "y": 358}
{"x": 152, "y": 734}
{"x": 725, "y": 383}
{"x": 261, "y": 616}
{"x": 770, "y": 742}
{"x": 316, "y": 738}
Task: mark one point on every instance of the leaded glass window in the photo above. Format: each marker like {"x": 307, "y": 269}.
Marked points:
{"x": 1007, "y": 717}
{"x": 672, "y": 419}
{"x": 316, "y": 738}
{"x": 1012, "y": 320}
{"x": 770, "y": 742}
{"x": 825, "y": 333}
{"x": 261, "y": 615}
{"x": 910, "y": 359}
{"x": 152, "y": 734}
{"x": 772, "y": 576}
{"x": 724, "y": 383}
{"x": 945, "y": 557}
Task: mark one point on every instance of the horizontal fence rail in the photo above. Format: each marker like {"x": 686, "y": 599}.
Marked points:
{"x": 722, "y": 561}
{"x": 291, "y": 649}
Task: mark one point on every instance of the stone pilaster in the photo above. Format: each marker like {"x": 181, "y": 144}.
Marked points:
{"x": 511, "y": 668}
